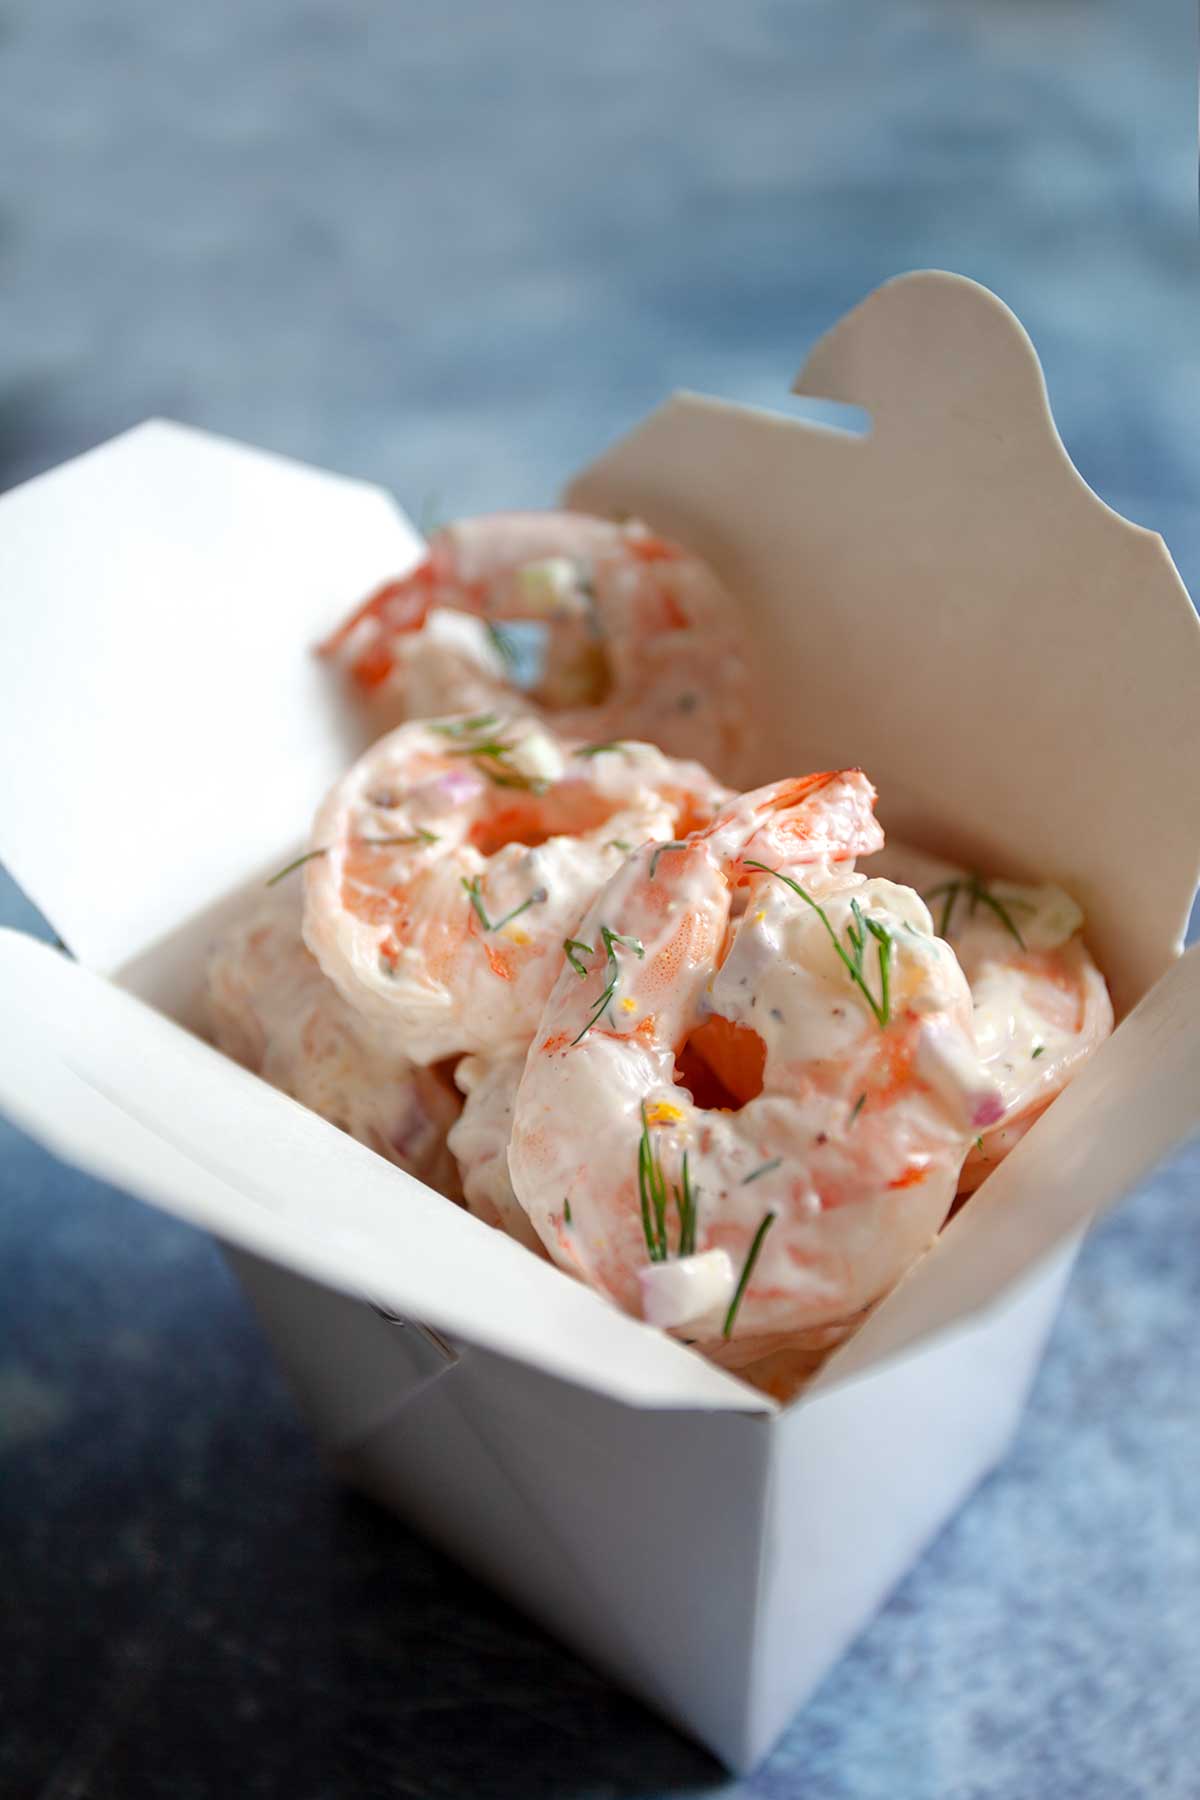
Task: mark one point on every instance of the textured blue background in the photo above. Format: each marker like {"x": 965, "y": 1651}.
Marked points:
{"x": 456, "y": 250}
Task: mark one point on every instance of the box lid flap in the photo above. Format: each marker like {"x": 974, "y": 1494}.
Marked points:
{"x": 164, "y": 726}
{"x": 114, "y": 1087}
{"x": 946, "y": 603}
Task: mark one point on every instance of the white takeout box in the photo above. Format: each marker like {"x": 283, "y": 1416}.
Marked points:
{"x": 942, "y": 601}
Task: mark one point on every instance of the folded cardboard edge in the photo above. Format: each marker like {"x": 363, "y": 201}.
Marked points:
{"x": 164, "y": 537}
{"x": 962, "y": 443}
{"x": 113, "y": 1087}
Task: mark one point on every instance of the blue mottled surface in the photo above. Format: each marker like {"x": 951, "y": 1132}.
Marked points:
{"x": 456, "y": 250}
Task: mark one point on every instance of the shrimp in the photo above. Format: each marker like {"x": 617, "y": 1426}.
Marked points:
{"x": 456, "y": 856}
{"x": 775, "y": 1052}
{"x": 635, "y": 636}
{"x": 479, "y": 1142}
{"x": 272, "y": 1010}
{"x": 1041, "y": 1006}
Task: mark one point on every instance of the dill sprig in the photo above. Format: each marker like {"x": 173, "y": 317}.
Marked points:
{"x": 609, "y": 940}
{"x": 415, "y": 837}
{"x": 685, "y": 1205}
{"x": 977, "y": 893}
{"x": 858, "y": 1106}
{"x": 752, "y": 1256}
{"x": 653, "y": 1196}
{"x": 491, "y": 757}
{"x": 599, "y": 749}
{"x": 298, "y": 863}
{"x": 501, "y": 642}
{"x": 570, "y": 946}
{"x": 762, "y": 1169}
{"x": 652, "y": 1192}
{"x": 474, "y": 888}
{"x": 857, "y": 932}
{"x": 618, "y": 844}
{"x": 677, "y": 844}
{"x": 457, "y": 728}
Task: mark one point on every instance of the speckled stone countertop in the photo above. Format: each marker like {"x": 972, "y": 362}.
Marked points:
{"x": 457, "y": 250}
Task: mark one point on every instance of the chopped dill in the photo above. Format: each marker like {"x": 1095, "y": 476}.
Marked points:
{"x": 570, "y": 946}
{"x": 298, "y": 863}
{"x": 762, "y": 1169}
{"x": 415, "y": 837}
{"x": 976, "y": 892}
{"x": 610, "y": 941}
{"x": 858, "y": 1106}
{"x": 676, "y": 844}
{"x": 491, "y": 755}
{"x": 474, "y": 888}
{"x": 1038, "y": 1051}
{"x": 653, "y": 1195}
{"x": 857, "y": 933}
{"x": 618, "y": 844}
{"x": 979, "y": 1145}
{"x": 747, "y": 1270}
{"x": 501, "y": 642}
{"x": 566, "y": 1212}
{"x": 599, "y": 749}
{"x": 457, "y": 728}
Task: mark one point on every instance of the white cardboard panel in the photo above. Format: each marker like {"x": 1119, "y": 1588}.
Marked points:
{"x": 945, "y": 603}
{"x": 164, "y": 724}
{"x": 109, "y": 1084}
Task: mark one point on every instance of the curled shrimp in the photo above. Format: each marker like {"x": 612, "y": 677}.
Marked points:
{"x": 776, "y": 1053}
{"x": 271, "y": 1009}
{"x": 1041, "y": 1006}
{"x": 479, "y": 1142}
{"x": 456, "y": 856}
{"x": 626, "y": 634}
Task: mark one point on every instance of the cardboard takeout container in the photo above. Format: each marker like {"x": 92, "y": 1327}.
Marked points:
{"x": 942, "y": 601}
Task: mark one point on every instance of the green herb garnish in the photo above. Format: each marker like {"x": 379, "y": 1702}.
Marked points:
{"x": 747, "y": 1271}
{"x": 297, "y": 864}
{"x": 977, "y": 893}
{"x": 652, "y": 1193}
{"x": 678, "y": 844}
{"x": 501, "y": 642}
{"x": 618, "y": 844}
{"x": 979, "y": 1145}
{"x": 417, "y": 837}
{"x": 762, "y": 1169}
{"x": 857, "y": 932}
{"x": 566, "y": 1212}
{"x": 858, "y": 1106}
{"x": 685, "y": 1206}
{"x": 491, "y": 755}
{"x": 1038, "y": 1051}
{"x": 474, "y": 888}
{"x": 570, "y": 946}
{"x": 599, "y": 749}
{"x": 610, "y": 941}
{"x": 457, "y": 728}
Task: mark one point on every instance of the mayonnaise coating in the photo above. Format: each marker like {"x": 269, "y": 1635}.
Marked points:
{"x": 456, "y": 855}
{"x": 635, "y": 636}
{"x": 271, "y": 1009}
{"x": 800, "y": 1104}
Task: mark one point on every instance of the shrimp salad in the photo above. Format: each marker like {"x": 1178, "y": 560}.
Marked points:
{"x": 666, "y": 1034}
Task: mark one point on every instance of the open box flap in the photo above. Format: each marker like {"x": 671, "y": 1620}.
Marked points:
{"x": 946, "y": 603}
{"x": 114, "y": 1087}
{"x": 164, "y": 726}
